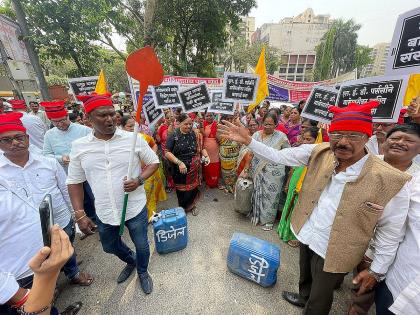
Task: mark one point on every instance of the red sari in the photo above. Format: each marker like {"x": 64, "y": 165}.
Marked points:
{"x": 211, "y": 172}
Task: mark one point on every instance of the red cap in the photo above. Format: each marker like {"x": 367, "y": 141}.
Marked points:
{"x": 90, "y": 102}
{"x": 354, "y": 117}
{"x": 11, "y": 122}
{"x": 55, "y": 109}
{"x": 18, "y": 104}
{"x": 401, "y": 117}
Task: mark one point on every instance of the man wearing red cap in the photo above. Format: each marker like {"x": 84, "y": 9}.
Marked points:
{"x": 35, "y": 128}
{"x": 102, "y": 159}
{"x": 348, "y": 198}
{"x": 30, "y": 177}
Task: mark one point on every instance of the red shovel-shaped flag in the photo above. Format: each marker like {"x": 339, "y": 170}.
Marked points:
{"x": 142, "y": 65}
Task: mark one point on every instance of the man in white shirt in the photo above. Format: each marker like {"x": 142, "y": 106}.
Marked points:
{"x": 375, "y": 142}
{"x": 34, "y": 106}
{"x": 342, "y": 206}
{"x": 102, "y": 158}
{"x": 35, "y": 128}
{"x": 58, "y": 140}
{"x": 34, "y": 176}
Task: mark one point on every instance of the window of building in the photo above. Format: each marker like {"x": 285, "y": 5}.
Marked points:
{"x": 283, "y": 69}
{"x": 291, "y": 69}
{"x": 293, "y": 59}
{"x": 291, "y": 78}
{"x": 284, "y": 59}
{"x": 299, "y": 69}
{"x": 299, "y": 78}
{"x": 311, "y": 59}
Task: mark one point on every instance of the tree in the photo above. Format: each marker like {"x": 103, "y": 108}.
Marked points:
{"x": 363, "y": 58}
{"x": 336, "y": 53}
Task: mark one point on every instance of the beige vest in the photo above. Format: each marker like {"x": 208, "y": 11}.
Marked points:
{"x": 354, "y": 221}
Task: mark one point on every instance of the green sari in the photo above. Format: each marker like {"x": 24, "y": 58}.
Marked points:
{"x": 283, "y": 229}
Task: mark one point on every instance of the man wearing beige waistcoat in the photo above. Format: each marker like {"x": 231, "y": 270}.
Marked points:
{"x": 348, "y": 198}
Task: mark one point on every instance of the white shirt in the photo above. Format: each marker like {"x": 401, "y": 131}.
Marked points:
{"x": 20, "y": 238}
{"x": 316, "y": 230}
{"x": 35, "y": 129}
{"x": 372, "y": 145}
{"x": 104, "y": 165}
{"x": 40, "y": 176}
{"x": 43, "y": 116}
{"x": 403, "y": 277}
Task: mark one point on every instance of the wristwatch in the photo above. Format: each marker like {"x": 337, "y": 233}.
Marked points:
{"x": 379, "y": 277}
{"x": 140, "y": 180}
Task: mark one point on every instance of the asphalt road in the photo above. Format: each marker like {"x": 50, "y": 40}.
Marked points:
{"x": 192, "y": 281}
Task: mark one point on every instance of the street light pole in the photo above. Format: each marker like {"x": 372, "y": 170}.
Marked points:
{"x": 33, "y": 56}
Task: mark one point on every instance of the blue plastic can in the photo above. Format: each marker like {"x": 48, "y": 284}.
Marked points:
{"x": 254, "y": 259}
{"x": 170, "y": 230}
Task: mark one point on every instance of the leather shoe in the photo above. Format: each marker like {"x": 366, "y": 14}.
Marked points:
{"x": 125, "y": 273}
{"x": 146, "y": 282}
{"x": 293, "y": 298}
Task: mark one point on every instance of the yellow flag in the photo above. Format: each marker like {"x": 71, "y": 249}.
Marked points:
{"x": 101, "y": 84}
{"x": 262, "y": 91}
{"x": 413, "y": 89}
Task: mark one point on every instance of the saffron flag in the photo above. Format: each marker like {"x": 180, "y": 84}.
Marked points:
{"x": 262, "y": 91}
{"x": 101, "y": 84}
{"x": 413, "y": 89}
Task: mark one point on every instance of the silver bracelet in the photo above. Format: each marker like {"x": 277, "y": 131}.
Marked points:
{"x": 21, "y": 310}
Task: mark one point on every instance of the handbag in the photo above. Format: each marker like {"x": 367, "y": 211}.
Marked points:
{"x": 243, "y": 195}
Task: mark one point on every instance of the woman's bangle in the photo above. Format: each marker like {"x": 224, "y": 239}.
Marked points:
{"x": 22, "y": 300}
{"x": 77, "y": 220}
{"x": 22, "y": 311}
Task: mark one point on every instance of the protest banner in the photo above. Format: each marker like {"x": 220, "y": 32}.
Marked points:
{"x": 316, "y": 107}
{"x": 83, "y": 85}
{"x": 195, "y": 98}
{"x": 151, "y": 112}
{"x": 135, "y": 92}
{"x": 277, "y": 93}
{"x": 404, "y": 51}
{"x": 296, "y": 96}
{"x": 388, "y": 90}
{"x": 166, "y": 95}
{"x": 220, "y": 106}
{"x": 240, "y": 87}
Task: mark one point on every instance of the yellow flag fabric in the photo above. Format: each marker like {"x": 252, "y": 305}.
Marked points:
{"x": 101, "y": 84}
{"x": 262, "y": 91}
{"x": 413, "y": 89}
{"x": 302, "y": 176}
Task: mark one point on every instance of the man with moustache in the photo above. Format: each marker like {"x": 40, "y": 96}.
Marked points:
{"x": 375, "y": 142}
{"x": 348, "y": 198}
{"x": 102, "y": 158}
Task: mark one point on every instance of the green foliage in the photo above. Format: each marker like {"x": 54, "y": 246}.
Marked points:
{"x": 338, "y": 51}
{"x": 363, "y": 58}
{"x": 7, "y": 10}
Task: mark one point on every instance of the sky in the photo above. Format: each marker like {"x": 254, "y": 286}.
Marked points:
{"x": 377, "y": 17}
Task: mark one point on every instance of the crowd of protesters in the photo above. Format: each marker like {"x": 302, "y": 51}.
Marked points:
{"x": 346, "y": 194}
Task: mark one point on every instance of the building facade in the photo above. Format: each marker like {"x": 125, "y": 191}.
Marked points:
{"x": 247, "y": 27}
{"x": 379, "y": 55}
{"x": 296, "y": 38}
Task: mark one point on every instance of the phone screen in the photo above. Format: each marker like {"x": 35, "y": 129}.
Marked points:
{"x": 47, "y": 220}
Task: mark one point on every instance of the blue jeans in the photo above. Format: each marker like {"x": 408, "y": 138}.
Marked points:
{"x": 383, "y": 299}
{"x": 89, "y": 201}
{"x": 71, "y": 270}
{"x": 113, "y": 244}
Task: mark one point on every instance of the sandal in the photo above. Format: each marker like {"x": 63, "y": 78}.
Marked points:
{"x": 72, "y": 309}
{"x": 293, "y": 243}
{"x": 194, "y": 211}
{"x": 84, "y": 279}
{"x": 267, "y": 227}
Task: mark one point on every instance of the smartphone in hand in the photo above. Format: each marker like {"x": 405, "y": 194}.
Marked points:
{"x": 47, "y": 220}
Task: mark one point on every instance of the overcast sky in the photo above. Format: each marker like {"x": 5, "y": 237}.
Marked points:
{"x": 377, "y": 17}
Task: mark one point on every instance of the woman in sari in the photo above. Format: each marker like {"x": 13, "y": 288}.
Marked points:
{"x": 154, "y": 187}
{"x": 212, "y": 170}
{"x": 245, "y": 154}
{"x": 184, "y": 150}
{"x": 228, "y": 152}
{"x": 162, "y": 136}
{"x": 293, "y": 127}
{"x": 268, "y": 177}
{"x": 293, "y": 190}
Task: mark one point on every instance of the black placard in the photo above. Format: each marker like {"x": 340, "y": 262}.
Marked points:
{"x": 316, "y": 107}
{"x": 152, "y": 113}
{"x": 83, "y": 86}
{"x": 218, "y": 105}
{"x": 240, "y": 87}
{"x": 385, "y": 90}
{"x": 405, "y": 46}
{"x": 195, "y": 98}
{"x": 166, "y": 95}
